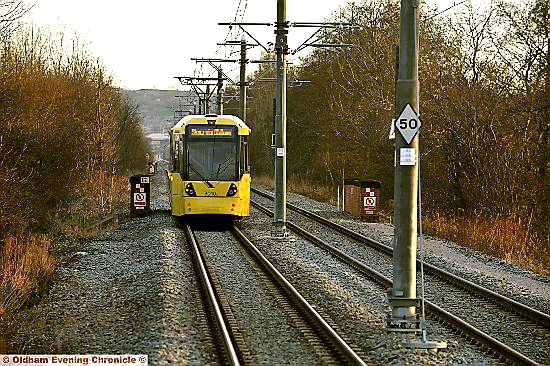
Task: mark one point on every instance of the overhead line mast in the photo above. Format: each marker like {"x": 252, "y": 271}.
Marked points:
{"x": 204, "y": 95}
{"x": 221, "y": 77}
{"x": 402, "y": 296}
{"x": 279, "y": 229}
{"x": 242, "y": 80}
{"x": 242, "y": 83}
{"x": 281, "y": 49}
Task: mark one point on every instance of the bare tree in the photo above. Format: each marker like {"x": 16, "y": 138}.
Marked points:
{"x": 10, "y": 12}
{"x": 526, "y": 54}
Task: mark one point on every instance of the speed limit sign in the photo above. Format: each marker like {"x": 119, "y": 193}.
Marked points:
{"x": 408, "y": 123}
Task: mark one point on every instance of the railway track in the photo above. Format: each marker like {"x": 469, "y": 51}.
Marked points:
{"x": 328, "y": 345}
{"x": 530, "y": 335}
{"x": 221, "y": 324}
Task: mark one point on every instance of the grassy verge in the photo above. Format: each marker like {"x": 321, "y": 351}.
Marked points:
{"x": 303, "y": 187}
{"x": 501, "y": 238}
{"x": 27, "y": 268}
{"x": 506, "y": 239}
{"x": 28, "y": 260}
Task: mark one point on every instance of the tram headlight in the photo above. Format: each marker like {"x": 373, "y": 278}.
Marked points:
{"x": 232, "y": 190}
{"x": 190, "y": 190}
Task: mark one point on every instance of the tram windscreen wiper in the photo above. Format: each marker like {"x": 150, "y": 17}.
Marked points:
{"x": 200, "y": 175}
{"x": 225, "y": 166}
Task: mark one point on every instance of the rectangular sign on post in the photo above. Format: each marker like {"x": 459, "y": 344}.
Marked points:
{"x": 370, "y": 197}
{"x": 369, "y": 204}
{"x": 140, "y": 200}
{"x": 407, "y": 156}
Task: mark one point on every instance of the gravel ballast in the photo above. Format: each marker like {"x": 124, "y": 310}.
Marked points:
{"x": 496, "y": 274}
{"x": 133, "y": 290}
{"x": 268, "y": 330}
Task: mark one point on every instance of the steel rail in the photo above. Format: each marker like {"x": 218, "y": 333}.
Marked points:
{"x": 344, "y": 348}
{"x": 212, "y": 299}
{"x": 513, "y": 305}
{"x": 101, "y": 221}
{"x": 477, "y": 334}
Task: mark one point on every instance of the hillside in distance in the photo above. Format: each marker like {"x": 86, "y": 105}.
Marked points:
{"x": 161, "y": 109}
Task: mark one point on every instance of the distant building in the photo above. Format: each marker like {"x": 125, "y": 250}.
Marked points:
{"x": 157, "y": 139}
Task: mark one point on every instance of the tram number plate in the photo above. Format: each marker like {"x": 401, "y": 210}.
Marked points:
{"x": 210, "y": 194}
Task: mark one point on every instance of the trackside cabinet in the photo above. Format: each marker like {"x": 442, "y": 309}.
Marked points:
{"x": 362, "y": 198}
{"x": 140, "y": 194}
{"x": 352, "y": 193}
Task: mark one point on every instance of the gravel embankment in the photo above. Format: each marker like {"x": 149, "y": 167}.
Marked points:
{"x": 529, "y": 288}
{"x": 133, "y": 290}
{"x": 354, "y": 304}
{"x": 480, "y": 313}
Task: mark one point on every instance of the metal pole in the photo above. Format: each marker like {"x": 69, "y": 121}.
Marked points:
{"x": 403, "y": 294}
{"x": 220, "y": 91}
{"x": 207, "y": 100}
{"x": 281, "y": 47}
{"x": 242, "y": 82}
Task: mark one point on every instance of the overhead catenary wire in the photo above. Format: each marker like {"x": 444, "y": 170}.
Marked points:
{"x": 443, "y": 11}
{"x": 236, "y": 29}
{"x": 239, "y": 13}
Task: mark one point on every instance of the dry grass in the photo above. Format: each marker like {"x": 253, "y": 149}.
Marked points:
{"x": 502, "y": 238}
{"x": 26, "y": 268}
{"x": 299, "y": 185}
{"x": 263, "y": 181}
{"x": 96, "y": 200}
{"x": 26, "y": 262}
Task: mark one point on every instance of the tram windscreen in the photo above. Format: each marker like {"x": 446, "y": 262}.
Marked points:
{"x": 212, "y": 156}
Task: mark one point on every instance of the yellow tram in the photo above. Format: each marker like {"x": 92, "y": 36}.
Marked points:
{"x": 209, "y": 172}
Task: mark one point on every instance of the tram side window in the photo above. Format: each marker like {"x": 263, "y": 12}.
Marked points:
{"x": 245, "y": 168}
{"x": 174, "y": 154}
{"x": 182, "y": 160}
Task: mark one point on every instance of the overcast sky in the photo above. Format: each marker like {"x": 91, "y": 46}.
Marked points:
{"x": 145, "y": 44}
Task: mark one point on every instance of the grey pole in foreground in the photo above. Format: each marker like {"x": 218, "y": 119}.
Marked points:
{"x": 281, "y": 47}
{"x": 403, "y": 294}
{"x": 242, "y": 81}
